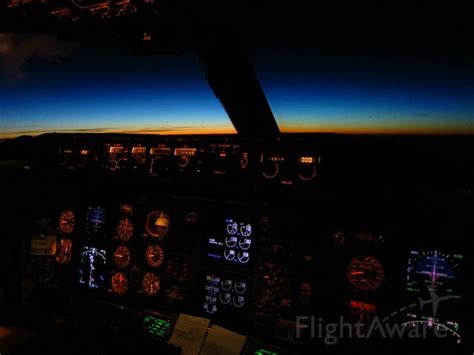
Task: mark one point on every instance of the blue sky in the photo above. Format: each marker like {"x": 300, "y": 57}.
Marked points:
{"x": 97, "y": 85}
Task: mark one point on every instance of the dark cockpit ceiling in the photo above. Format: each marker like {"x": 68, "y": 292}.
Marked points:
{"x": 111, "y": 241}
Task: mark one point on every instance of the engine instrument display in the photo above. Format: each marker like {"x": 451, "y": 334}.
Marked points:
{"x": 154, "y": 255}
{"x": 96, "y": 219}
{"x": 224, "y": 293}
{"x": 125, "y": 229}
{"x": 119, "y": 283}
{"x": 157, "y": 224}
{"x": 92, "y": 267}
{"x": 233, "y": 246}
{"x": 122, "y": 257}
{"x": 67, "y": 222}
{"x": 150, "y": 284}
{"x": 365, "y": 273}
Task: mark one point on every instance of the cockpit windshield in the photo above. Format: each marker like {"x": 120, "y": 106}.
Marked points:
{"x": 366, "y": 82}
{"x": 97, "y": 85}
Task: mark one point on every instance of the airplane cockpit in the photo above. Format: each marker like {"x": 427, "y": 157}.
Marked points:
{"x": 185, "y": 179}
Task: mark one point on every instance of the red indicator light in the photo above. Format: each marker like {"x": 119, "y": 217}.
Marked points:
{"x": 363, "y": 306}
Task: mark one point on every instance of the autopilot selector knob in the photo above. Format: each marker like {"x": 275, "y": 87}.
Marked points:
{"x": 65, "y": 156}
{"x": 184, "y": 156}
{"x": 183, "y": 161}
{"x": 83, "y": 158}
{"x": 307, "y": 167}
{"x": 271, "y": 165}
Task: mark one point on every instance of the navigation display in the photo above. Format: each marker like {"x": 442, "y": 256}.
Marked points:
{"x": 224, "y": 293}
{"x": 233, "y": 244}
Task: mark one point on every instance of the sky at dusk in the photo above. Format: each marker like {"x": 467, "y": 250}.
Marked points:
{"x": 365, "y": 82}
{"x": 98, "y": 85}
{"x": 311, "y": 83}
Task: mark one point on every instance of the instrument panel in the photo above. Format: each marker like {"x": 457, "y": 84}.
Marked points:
{"x": 234, "y": 264}
{"x": 171, "y": 159}
{"x": 201, "y": 258}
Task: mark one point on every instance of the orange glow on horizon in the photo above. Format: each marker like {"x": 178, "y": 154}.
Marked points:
{"x": 336, "y": 129}
{"x": 158, "y": 131}
{"x": 365, "y": 130}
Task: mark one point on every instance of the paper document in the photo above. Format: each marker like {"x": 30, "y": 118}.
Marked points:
{"x": 223, "y": 341}
{"x": 189, "y": 333}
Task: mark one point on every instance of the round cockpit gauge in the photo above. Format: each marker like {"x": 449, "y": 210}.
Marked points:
{"x": 126, "y": 210}
{"x": 119, "y": 283}
{"x": 122, "y": 257}
{"x": 238, "y": 301}
{"x": 150, "y": 284}
{"x": 225, "y": 298}
{"x": 67, "y": 221}
{"x": 246, "y": 230}
{"x": 240, "y": 287}
{"x": 243, "y": 257}
{"x": 232, "y": 227}
{"x": 245, "y": 243}
{"x": 365, "y": 273}
{"x": 231, "y": 242}
{"x": 226, "y": 284}
{"x": 157, "y": 224}
{"x": 125, "y": 229}
{"x": 229, "y": 254}
{"x": 154, "y": 255}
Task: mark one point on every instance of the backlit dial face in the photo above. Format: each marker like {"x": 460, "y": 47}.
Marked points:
{"x": 125, "y": 229}
{"x": 126, "y": 210}
{"x": 365, "y": 273}
{"x": 119, "y": 283}
{"x": 154, "y": 255}
{"x": 122, "y": 257}
{"x": 246, "y": 230}
{"x": 67, "y": 221}
{"x": 232, "y": 227}
{"x": 151, "y": 284}
{"x": 157, "y": 224}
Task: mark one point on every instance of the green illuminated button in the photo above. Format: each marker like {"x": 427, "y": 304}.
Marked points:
{"x": 265, "y": 352}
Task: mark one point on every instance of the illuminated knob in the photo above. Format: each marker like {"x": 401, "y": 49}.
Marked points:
{"x": 82, "y": 161}
{"x": 270, "y": 170}
{"x": 183, "y": 161}
{"x": 307, "y": 172}
{"x": 63, "y": 159}
{"x": 244, "y": 162}
{"x": 113, "y": 164}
